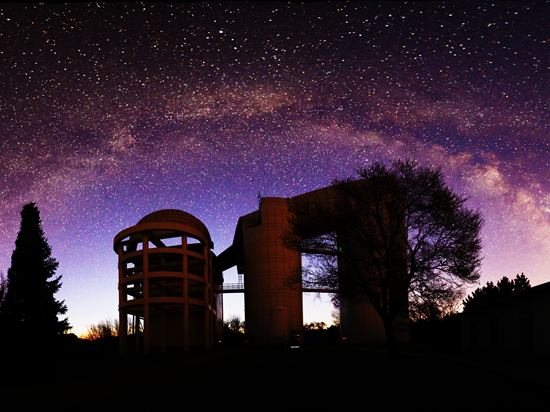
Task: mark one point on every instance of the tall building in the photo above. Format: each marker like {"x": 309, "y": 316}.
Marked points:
{"x": 273, "y": 310}
{"x": 273, "y": 302}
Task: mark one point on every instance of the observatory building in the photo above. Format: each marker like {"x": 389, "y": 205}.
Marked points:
{"x": 169, "y": 276}
{"x": 166, "y": 276}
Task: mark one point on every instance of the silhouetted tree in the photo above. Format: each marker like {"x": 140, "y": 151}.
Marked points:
{"x": 235, "y": 324}
{"x": 3, "y": 288}
{"x": 396, "y": 232}
{"x": 315, "y": 326}
{"x": 335, "y": 315}
{"x": 234, "y": 331}
{"x": 490, "y": 292}
{"x": 433, "y": 305}
{"x": 521, "y": 283}
{"x": 29, "y": 305}
{"x": 318, "y": 333}
{"x": 435, "y": 301}
{"x": 104, "y": 329}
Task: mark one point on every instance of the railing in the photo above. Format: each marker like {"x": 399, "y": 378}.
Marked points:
{"x": 313, "y": 287}
{"x": 231, "y": 288}
{"x": 306, "y": 287}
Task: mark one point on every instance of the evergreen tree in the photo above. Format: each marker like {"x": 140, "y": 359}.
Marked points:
{"x": 3, "y": 288}
{"x": 29, "y": 305}
{"x": 489, "y": 293}
{"x": 521, "y": 283}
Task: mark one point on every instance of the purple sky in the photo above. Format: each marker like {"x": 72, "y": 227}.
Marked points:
{"x": 110, "y": 112}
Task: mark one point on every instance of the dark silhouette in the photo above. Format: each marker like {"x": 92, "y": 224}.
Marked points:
{"x": 315, "y": 326}
{"x": 438, "y": 334}
{"x": 319, "y": 334}
{"x": 3, "y": 287}
{"x": 235, "y": 324}
{"x": 435, "y": 303}
{"x": 395, "y": 234}
{"x": 490, "y": 292}
{"x": 104, "y": 329}
{"x": 30, "y": 310}
{"x": 234, "y": 331}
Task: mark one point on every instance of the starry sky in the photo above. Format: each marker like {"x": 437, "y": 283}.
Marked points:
{"x": 111, "y": 111}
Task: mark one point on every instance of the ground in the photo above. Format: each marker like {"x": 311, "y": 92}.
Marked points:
{"x": 321, "y": 377}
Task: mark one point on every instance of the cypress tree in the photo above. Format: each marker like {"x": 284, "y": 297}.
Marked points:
{"x": 30, "y": 307}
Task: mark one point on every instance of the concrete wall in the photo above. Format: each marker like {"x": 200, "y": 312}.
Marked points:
{"x": 267, "y": 266}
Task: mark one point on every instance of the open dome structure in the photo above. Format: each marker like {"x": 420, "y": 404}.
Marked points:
{"x": 176, "y": 216}
{"x": 167, "y": 279}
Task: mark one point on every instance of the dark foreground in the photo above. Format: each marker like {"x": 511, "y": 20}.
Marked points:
{"x": 324, "y": 378}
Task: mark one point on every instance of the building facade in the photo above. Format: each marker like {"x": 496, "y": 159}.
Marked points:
{"x": 273, "y": 302}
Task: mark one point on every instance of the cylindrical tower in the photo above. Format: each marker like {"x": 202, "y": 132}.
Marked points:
{"x": 166, "y": 277}
{"x": 273, "y": 310}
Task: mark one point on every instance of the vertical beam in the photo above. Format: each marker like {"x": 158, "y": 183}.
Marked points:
{"x": 122, "y": 331}
{"x": 122, "y": 317}
{"x": 136, "y": 333}
{"x": 163, "y": 318}
{"x": 206, "y": 297}
{"x": 146, "y": 319}
{"x": 163, "y": 331}
{"x": 185, "y": 295}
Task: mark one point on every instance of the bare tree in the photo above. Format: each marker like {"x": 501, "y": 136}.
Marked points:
{"x": 104, "y": 329}
{"x": 315, "y": 326}
{"x": 235, "y": 324}
{"x": 435, "y": 301}
{"x": 396, "y": 232}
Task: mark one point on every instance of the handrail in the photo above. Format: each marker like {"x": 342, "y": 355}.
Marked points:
{"x": 231, "y": 286}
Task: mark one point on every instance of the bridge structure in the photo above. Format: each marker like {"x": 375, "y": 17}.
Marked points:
{"x": 273, "y": 311}
{"x": 306, "y": 288}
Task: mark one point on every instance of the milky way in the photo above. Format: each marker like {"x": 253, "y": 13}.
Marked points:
{"x": 110, "y": 112}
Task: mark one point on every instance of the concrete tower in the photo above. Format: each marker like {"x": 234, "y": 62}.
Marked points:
{"x": 273, "y": 311}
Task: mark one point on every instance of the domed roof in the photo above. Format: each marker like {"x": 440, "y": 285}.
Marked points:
{"x": 176, "y": 216}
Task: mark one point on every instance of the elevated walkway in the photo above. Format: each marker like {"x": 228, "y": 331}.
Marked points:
{"x": 231, "y": 288}
{"x": 239, "y": 288}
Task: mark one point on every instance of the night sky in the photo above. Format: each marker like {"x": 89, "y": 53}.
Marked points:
{"x": 110, "y": 112}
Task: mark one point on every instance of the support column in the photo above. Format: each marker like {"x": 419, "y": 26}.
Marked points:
{"x": 185, "y": 295}
{"x": 206, "y": 298}
{"x": 146, "y": 325}
{"x": 163, "y": 319}
{"x": 136, "y": 333}
{"x": 163, "y": 331}
{"x": 122, "y": 317}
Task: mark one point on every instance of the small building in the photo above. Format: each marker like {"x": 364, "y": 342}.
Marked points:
{"x": 515, "y": 324}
